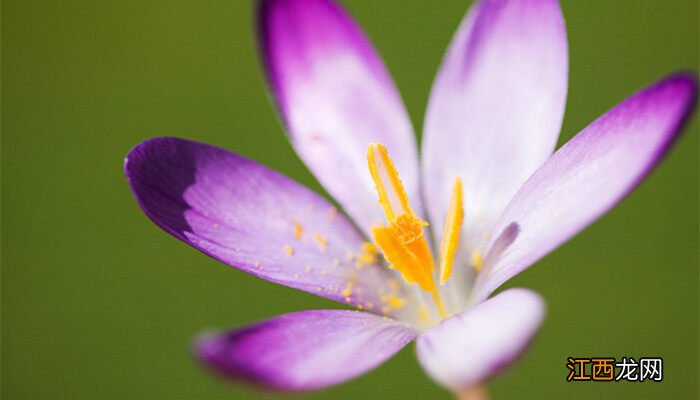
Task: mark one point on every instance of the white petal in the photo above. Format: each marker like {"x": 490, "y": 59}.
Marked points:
{"x": 464, "y": 350}
{"x": 495, "y": 111}
{"x": 588, "y": 176}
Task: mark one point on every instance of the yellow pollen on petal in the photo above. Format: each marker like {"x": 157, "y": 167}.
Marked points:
{"x": 367, "y": 256}
{"x": 369, "y": 248}
{"x": 477, "y": 261}
{"x": 289, "y": 250}
{"x": 321, "y": 241}
{"x": 394, "y": 285}
{"x": 298, "y": 231}
{"x": 392, "y": 301}
{"x": 450, "y": 235}
{"x": 402, "y": 240}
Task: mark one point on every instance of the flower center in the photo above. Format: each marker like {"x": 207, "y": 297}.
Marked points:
{"x": 402, "y": 241}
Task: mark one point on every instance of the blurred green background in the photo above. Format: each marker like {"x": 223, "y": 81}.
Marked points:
{"x": 98, "y": 303}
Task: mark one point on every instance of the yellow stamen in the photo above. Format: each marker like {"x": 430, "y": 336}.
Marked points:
{"x": 384, "y": 173}
{"x": 289, "y": 250}
{"x": 424, "y": 314}
{"x": 442, "y": 312}
{"x": 406, "y": 277}
{"x": 400, "y": 257}
{"x": 450, "y": 236}
{"x": 402, "y": 241}
{"x": 408, "y": 228}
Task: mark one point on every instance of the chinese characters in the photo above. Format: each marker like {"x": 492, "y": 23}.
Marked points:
{"x": 602, "y": 369}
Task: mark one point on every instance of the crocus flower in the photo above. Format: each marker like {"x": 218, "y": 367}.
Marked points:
{"x": 488, "y": 201}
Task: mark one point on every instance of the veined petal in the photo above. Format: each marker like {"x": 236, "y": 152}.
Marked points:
{"x": 589, "y": 175}
{"x": 495, "y": 110}
{"x": 305, "y": 350}
{"x": 255, "y": 219}
{"x": 336, "y": 98}
{"x": 464, "y": 350}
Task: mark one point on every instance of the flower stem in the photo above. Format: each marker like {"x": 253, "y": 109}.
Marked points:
{"x": 473, "y": 393}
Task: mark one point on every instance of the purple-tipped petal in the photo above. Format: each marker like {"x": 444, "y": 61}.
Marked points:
{"x": 466, "y": 349}
{"x": 495, "y": 110}
{"x": 336, "y": 98}
{"x": 254, "y": 219}
{"x": 589, "y": 175}
{"x": 305, "y": 350}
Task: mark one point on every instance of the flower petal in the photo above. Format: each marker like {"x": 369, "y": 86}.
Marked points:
{"x": 464, "y": 350}
{"x": 336, "y": 98}
{"x": 589, "y": 175}
{"x": 495, "y": 110}
{"x": 254, "y": 219}
{"x": 305, "y": 350}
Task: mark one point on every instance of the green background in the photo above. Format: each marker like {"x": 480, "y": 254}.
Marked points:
{"x": 98, "y": 303}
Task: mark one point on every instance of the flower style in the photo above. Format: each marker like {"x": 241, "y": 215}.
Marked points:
{"x": 495, "y": 197}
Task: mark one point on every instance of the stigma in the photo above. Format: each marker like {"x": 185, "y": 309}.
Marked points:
{"x": 402, "y": 240}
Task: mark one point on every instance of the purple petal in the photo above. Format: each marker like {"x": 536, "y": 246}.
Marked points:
{"x": 464, "y": 350}
{"x": 305, "y": 350}
{"x": 254, "y": 219}
{"x": 336, "y": 98}
{"x": 495, "y": 110}
{"x": 589, "y": 175}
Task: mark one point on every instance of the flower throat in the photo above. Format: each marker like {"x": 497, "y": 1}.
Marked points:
{"x": 402, "y": 241}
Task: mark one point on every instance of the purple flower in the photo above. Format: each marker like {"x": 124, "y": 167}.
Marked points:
{"x": 496, "y": 199}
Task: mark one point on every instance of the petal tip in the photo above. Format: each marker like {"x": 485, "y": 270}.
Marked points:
{"x": 688, "y": 81}
{"x": 684, "y": 83}
{"x": 205, "y": 346}
{"x": 677, "y": 88}
{"x": 302, "y": 351}
{"x": 135, "y": 155}
{"x": 136, "y": 162}
{"x": 676, "y": 94}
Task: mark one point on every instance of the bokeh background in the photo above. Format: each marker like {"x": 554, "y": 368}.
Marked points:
{"x": 98, "y": 303}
